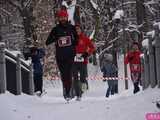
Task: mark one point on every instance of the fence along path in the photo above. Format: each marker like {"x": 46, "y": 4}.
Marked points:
{"x": 16, "y": 74}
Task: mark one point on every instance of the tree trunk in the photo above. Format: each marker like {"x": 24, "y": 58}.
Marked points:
{"x": 152, "y": 64}
{"x": 146, "y": 70}
{"x": 157, "y": 55}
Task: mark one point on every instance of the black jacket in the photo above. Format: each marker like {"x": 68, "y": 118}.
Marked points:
{"x": 65, "y": 38}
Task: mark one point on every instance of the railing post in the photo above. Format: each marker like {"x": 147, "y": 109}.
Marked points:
{"x": 142, "y": 73}
{"x": 2, "y": 68}
{"x": 18, "y": 75}
{"x": 31, "y": 82}
{"x": 152, "y": 73}
{"x": 146, "y": 70}
{"x": 157, "y": 53}
{"x": 125, "y": 76}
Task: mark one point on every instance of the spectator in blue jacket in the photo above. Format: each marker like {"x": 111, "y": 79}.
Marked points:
{"x": 109, "y": 73}
{"x": 37, "y": 55}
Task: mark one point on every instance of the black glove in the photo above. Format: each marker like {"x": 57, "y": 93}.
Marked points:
{"x": 85, "y": 55}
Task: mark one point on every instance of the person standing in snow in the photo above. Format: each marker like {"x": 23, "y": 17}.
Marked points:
{"x": 37, "y": 56}
{"x": 133, "y": 58}
{"x": 84, "y": 48}
{"x": 109, "y": 73}
{"x": 65, "y": 37}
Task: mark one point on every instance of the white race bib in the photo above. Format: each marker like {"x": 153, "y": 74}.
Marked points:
{"x": 64, "y": 41}
{"x": 78, "y": 58}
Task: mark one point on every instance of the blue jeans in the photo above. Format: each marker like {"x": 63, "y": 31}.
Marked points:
{"x": 111, "y": 87}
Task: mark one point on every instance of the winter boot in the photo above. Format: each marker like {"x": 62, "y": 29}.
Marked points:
{"x": 78, "y": 98}
{"x": 136, "y": 88}
{"x": 116, "y": 87}
{"x": 158, "y": 105}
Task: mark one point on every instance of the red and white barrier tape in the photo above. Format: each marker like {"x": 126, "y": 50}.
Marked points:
{"x": 92, "y": 78}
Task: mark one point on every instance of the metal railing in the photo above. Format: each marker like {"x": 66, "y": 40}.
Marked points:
{"x": 16, "y": 75}
{"x": 151, "y": 61}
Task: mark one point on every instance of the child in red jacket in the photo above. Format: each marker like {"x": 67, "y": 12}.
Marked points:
{"x": 133, "y": 58}
{"x": 84, "y": 48}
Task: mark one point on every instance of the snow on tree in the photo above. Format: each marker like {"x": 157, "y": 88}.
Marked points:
{"x": 97, "y": 18}
{"x": 118, "y": 14}
{"x": 70, "y": 10}
{"x": 145, "y": 43}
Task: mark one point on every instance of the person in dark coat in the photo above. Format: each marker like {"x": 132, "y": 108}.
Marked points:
{"x": 37, "y": 56}
{"x": 133, "y": 58}
{"x": 64, "y": 36}
{"x": 109, "y": 73}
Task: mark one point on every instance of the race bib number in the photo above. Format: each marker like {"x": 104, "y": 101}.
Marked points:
{"x": 78, "y": 58}
{"x": 64, "y": 41}
{"x": 135, "y": 67}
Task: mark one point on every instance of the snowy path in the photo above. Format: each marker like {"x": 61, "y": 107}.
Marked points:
{"x": 94, "y": 106}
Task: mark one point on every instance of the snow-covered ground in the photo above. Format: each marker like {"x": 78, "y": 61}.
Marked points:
{"x": 93, "y": 106}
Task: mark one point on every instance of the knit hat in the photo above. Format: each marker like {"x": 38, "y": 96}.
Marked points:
{"x": 62, "y": 13}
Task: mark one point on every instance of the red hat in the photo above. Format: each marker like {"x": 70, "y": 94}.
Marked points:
{"x": 62, "y": 13}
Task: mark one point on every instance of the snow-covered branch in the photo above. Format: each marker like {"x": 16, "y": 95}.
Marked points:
{"x": 74, "y": 2}
{"x": 106, "y": 49}
{"x": 109, "y": 33}
{"x": 70, "y": 10}
{"x": 18, "y": 26}
{"x": 125, "y": 3}
{"x": 151, "y": 33}
{"x": 6, "y": 12}
{"x": 118, "y": 14}
{"x": 129, "y": 2}
{"x": 151, "y": 2}
{"x": 15, "y": 4}
{"x": 28, "y": 3}
{"x": 95, "y": 6}
{"x": 100, "y": 43}
{"x": 92, "y": 34}
{"x": 115, "y": 39}
{"x": 85, "y": 10}
{"x": 157, "y": 24}
{"x": 133, "y": 27}
{"x": 150, "y": 7}
{"x": 145, "y": 43}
